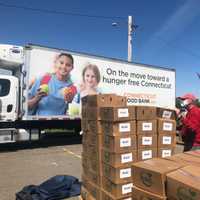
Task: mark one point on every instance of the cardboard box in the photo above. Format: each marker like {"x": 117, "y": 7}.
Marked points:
{"x": 166, "y": 113}
{"x": 89, "y": 164}
{"x": 145, "y": 113}
{"x": 146, "y": 141}
{"x": 95, "y": 165}
{"x": 119, "y": 159}
{"x": 85, "y": 195}
{"x": 145, "y": 154}
{"x": 165, "y": 152}
{"x": 139, "y": 194}
{"x": 85, "y": 161}
{"x": 84, "y": 137}
{"x": 94, "y": 100}
{"x": 185, "y": 159}
{"x": 147, "y": 127}
{"x": 91, "y": 152}
{"x": 93, "y": 189}
{"x": 117, "y": 174}
{"x": 132, "y": 110}
{"x": 193, "y": 153}
{"x": 150, "y": 175}
{"x": 93, "y": 113}
{"x": 95, "y": 178}
{"x": 91, "y": 175}
{"x": 166, "y": 140}
{"x": 117, "y": 190}
{"x": 84, "y": 125}
{"x": 119, "y": 144}
{"x": 85, "y": 150}
{"x": 107, "y": 196}
{"x": 103, "y": 100}
{"x": 115, "y": 114}
{"x": 85, "y": 171}
{"x": 94, "y": 126}
{"x": 119, "y": 128}
{"x": 84, "y": 112}
{"x": 184, "y": 183}
{"x": 119, "y": 101}
{"x": 166, "y": 126}
{"x": 92, "y": 139}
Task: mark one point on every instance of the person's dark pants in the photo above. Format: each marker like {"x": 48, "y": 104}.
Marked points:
{"x": 188, "y": 140}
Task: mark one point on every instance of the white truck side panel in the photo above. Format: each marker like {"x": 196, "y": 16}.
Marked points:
{"x": 142, "y": 84}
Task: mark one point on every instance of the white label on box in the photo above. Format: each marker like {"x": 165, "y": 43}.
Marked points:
{"x": 125, "y": 173}
{"x": 128, "y": 157}
{"x": 124, "y": 127}
{"x": 147, "y": 154}
{"x": 167, "y": 114}
{"x": 125, "y": 142}
{"x": 146, "y": 140}
{"x": 147, "y": 126}
{"x": 167, "y": 126}
{"x": 123, "y": 112}
{"x": 166, "y": 153}
{"x": 127, "y": 188}
{"x": 128, "y": 198}
{"x": 167, "y": 140}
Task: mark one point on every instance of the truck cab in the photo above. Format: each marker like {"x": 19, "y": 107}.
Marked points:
{"x": 9, "y": 94}
{"x": 11, "y": 59}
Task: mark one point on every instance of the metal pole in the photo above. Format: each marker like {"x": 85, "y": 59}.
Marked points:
{"x": 130, "y": 26}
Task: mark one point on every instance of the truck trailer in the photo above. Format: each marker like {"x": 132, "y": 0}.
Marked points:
{"x": 26, "y": 70}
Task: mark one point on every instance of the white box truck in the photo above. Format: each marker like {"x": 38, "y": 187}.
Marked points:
{"x": 41, "y": 87}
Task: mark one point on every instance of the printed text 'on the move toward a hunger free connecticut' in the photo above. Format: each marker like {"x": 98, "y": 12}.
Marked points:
{"x": 121, "y": 77}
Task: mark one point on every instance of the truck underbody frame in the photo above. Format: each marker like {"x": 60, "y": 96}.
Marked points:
{"x": 39, "y": 125}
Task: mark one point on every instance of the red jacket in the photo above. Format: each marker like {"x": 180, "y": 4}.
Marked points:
{"x": 192, "y": 121}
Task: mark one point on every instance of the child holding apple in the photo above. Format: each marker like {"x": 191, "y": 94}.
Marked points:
{"x": 51, "y": 94}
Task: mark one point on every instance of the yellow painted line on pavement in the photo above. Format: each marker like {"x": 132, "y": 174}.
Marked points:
{"x": 72, "y": 153}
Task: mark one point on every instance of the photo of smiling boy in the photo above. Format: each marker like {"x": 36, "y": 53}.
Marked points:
{"x": 50, "y": 94}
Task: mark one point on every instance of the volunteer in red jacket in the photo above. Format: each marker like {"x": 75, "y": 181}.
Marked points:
{"x": 190, "y": 122}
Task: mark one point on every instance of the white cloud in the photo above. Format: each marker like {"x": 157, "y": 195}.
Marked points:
{"x": 179, "y": 20}
{"x": 174, "y": 25}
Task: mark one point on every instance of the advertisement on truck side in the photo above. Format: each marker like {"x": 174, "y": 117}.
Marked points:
{"x": 60, "y": 79}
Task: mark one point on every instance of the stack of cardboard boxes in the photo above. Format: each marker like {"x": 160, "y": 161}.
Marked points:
{"x": 166, "y": 128}
{"x": 92, "y": 142}
{"x": 119, "y": 151}
{"x": 114, "y": 137}
{"x": 109, "y": 147}
{"x": 149, "y": 178}
{"x": 156, "y": 132}
{"x": 185, "y": 182}
{"x": 146, "y": 132}
{"x": 173, "y": 178}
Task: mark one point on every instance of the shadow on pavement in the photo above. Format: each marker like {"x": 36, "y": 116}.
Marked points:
{"x": 48, "y": 139}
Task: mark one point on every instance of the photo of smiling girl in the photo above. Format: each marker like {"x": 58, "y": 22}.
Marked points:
{"x": 91, "y": 78}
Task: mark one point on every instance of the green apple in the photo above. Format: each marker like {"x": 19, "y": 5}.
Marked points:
{"x": 44, "y": 88}
{"x": 73, "y": 109}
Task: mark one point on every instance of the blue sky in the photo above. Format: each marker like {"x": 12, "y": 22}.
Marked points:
{"x": 168, "y": 34}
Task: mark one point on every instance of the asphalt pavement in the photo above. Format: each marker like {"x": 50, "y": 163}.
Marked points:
{"x": 22, "y": 167}
{"x": 19, "y": 168}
